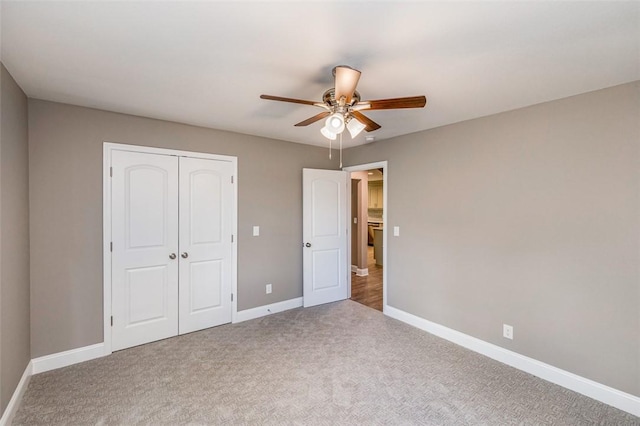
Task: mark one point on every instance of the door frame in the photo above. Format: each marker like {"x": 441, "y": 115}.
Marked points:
{"x": 384, "y": 165}
{"x": 107, "y": 149}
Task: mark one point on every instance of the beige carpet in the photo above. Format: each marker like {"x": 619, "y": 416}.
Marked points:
{"x": 341, "y": 363}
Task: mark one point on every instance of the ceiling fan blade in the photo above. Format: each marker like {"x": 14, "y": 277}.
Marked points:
{"x": 345, "y": 82}
{"x": 314, "y": 119}
{"x": 281, "y": 99}
{"x": 395, "y": 103}
{"x": 371, "y": 125}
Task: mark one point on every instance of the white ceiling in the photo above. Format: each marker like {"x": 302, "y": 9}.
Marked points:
{"x": 206, "y": 63}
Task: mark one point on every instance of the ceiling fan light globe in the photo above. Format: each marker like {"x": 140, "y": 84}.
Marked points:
{"x": 328, "y": 134}
{"x": 355, "y": 127}
{"x": 335, "y": 123}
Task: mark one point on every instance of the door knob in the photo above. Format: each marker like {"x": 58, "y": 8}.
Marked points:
{"x": 185, "y": 255}
{"x": 172, "y": 256}
{"x": 307, "y": 245}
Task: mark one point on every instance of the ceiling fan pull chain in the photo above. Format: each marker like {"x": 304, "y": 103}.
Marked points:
{"x": 329, "y": 149}
{"x": 340, "y": 150}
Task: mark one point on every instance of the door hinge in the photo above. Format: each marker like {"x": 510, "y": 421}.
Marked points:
{"x": 231, "y": 237}
{"x": 111, "y": 246}
{"x": 111, "y": 321}
{"x": 231, "y": 178}
{"x": 232, "y": 297}
{"x": 110, "y": 171}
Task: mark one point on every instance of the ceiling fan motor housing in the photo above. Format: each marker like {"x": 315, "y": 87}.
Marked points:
{"x": 329, "y": 98}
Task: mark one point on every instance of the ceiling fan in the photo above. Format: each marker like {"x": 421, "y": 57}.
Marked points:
{"x": 342, "y": 105}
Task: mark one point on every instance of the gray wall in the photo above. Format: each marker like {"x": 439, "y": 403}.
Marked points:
{"x": 530, "y": 218}
{"x": 15, "y": 351}
{"x": 65, "y": 154}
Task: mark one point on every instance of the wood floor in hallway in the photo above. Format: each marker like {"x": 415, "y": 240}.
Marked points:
{"x": 368, "y": 290}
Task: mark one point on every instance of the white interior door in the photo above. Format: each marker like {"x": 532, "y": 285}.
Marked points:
{"x": 144, "y": 190}
{"x": 325, "y": 225}
{"x": 205, "y": 243}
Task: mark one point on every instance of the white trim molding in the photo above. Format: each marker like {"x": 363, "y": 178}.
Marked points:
{"x": 66, "y": 358}
{"x": 582, "y": 385}
{"x": 262, "y": 311}
{"x": 12, "y": 407}
{"x": 360, "y": 272}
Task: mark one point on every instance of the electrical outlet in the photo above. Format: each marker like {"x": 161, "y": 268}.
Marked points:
{"x": 256, "y": 231}
{"x": 396, "y": 231}
{"x": 507, "y": 331}
{"x": 269, "y": 289}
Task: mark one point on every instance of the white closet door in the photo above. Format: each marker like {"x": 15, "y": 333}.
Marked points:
{"x": 205, "y": 243}
{"x": 144, "y": 190}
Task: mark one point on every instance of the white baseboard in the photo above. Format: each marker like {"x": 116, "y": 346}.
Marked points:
{"x": 261, "y": 311}
{"x": 66, "y": 358}
{"x": 14, "y": 402}
{"x": 360, "y": 272}
{"x": 584, "y": 386}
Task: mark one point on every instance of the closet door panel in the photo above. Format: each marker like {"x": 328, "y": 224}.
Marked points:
{"x": 205, "y": 243}
{"x": 144, "y": 190}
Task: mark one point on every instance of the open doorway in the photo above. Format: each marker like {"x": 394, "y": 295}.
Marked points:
{"x": 368, "y": 234}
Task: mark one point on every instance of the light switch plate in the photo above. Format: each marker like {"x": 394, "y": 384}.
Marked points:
{"x": 396, "y": 231}
{"x": 256, "y": 231}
